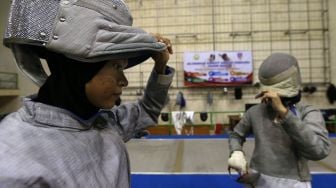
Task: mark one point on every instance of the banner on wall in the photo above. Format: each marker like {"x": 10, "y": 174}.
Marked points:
{"x": 218, "y": 68}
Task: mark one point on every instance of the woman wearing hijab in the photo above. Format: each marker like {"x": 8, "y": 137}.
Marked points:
{"x": 71, "y": 134}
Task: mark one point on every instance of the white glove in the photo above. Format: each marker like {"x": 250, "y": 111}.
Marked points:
{"x": 238, "y": 162}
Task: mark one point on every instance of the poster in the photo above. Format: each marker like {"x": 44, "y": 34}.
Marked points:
{"x": 218, "y": 68}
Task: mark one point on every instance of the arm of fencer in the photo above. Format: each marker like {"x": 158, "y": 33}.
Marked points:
{"x": 308, "y": 133}
{"x": 133, "y": 117}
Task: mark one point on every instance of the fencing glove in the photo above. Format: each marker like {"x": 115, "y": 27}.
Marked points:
{"x": 238, "y": 162}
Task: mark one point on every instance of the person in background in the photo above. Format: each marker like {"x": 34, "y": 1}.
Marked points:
{"x": 71, "y": 134}
{"x": 287, "y": 133}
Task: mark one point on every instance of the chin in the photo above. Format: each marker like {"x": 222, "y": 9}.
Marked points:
{"x": 111, "y": 103}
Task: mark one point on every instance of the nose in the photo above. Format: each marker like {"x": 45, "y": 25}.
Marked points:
{"x": 123, "y": 81}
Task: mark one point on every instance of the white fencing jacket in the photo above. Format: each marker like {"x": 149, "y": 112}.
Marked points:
{"x": 45, "y": 146}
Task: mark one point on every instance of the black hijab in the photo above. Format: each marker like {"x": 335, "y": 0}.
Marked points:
{"x": 65, "y": 87}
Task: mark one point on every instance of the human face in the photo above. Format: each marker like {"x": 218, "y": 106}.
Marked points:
{"x": 105, "y": 88}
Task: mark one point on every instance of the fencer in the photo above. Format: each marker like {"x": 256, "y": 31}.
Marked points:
{"x": 70, "y": 134}
{"x": 287, "y": 133}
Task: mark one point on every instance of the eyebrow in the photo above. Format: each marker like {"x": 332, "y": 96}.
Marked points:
{"x": 123, "y": 64}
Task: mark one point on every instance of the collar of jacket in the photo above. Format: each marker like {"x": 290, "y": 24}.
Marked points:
{"x": 43, "y": 115}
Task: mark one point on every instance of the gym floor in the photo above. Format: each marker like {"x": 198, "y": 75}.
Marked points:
{"x": 183, "y": 162}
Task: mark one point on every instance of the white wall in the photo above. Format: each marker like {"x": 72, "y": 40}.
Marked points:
{"x": 332, "y": 38}
{"x": 268, "y": 21}
{"x": 6, "y": 60}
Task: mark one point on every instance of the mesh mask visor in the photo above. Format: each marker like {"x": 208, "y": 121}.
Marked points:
{"x": 29, "y": 63}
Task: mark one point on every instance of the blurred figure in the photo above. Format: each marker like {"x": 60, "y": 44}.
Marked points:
{"x": 287, "y": 133}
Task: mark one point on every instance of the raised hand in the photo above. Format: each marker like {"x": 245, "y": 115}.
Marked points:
{"x": 161, "y": 58}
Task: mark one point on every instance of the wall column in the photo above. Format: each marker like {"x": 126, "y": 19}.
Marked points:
{"x": 332, "y": 39}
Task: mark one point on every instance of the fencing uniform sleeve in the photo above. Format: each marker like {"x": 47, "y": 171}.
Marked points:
{"x": 308, "y": 133}
{"x": 133, "y": 117}
{"x": 237, "y": 135}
